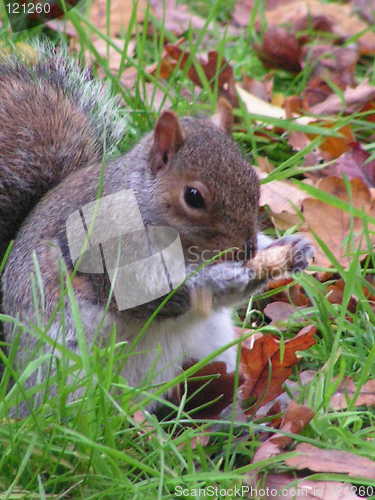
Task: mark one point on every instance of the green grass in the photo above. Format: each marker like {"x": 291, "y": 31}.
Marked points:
{"x": 96, "y": 448}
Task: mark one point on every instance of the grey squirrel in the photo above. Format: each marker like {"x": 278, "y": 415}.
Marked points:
{"x": 187, "y": 174}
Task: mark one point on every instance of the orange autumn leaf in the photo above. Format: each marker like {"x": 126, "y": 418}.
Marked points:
{"x": 294, "y": 421}
{"x": 333, "y": 147}
{"x": 279, "y": 283}
{"x": 336, "y": 224}
{"x": 266, "y": 366}
{"x": 214, "y": 68}
{"x": 370, "y": 109}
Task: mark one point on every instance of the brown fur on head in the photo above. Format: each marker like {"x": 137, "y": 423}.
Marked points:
{"x": 210, "y": 193}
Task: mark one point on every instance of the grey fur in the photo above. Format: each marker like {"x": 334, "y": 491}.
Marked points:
{"x": 54, "y": 119}
{"x": 58, "y": 171}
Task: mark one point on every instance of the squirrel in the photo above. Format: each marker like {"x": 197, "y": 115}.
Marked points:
{"x": 57, "y": 126}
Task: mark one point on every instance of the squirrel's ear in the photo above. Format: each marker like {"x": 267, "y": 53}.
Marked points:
{"x": 223, "y": 118}
{"x": 168, "y": 137}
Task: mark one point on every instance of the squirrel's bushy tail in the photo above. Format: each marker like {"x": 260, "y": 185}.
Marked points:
{"x": 54, "y": 119}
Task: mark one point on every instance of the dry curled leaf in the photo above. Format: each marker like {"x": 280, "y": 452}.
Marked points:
{"x": 333, "y": 147}
{"x": 210, "y": 383}
{"x": 341, "y": 21}
{"x": 198, "y": 440}
{"x": 176, "y": 17}
{"x": 346, "y": 392}
{"x": 328, "y": 62}
{"x": 316, "y": 91}
{"x": 243, "y": 8}
{"x": 266, "y": 366}
{"x": 280, "y": 49}
{"x": 260, "y": 88}
{"x": 336, "y": 461}
{"x": 279, "y": 312}
{"x": 335, "y": 295}
{"x": 113, "y": 54}
{"x": 306, "y": 489}
{"x": 353, "y": 100}
{"x": 366, "y": 9}
{"x": 336, "y": 224}
{"x": 354, "y": 163}
{"x": 295, "y": 419}
{"x": 283, "y": 199}
{"x": 120, "y": 14}
{"x": 217, "y": 70}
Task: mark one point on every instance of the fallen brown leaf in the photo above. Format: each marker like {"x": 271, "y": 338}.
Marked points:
{"x": 346, "y": 391}
{"x": 298, "y": 140}
{"x": 316, "y": 91}
{"x": 295, "y": 419}
{"x": 366, "y": 9}
{"x": 161, "y": 69}
{"x": 279, "y": 312}
{"x": 336, "y": 224}
{"x": 260, "y": 88}
{"x": 278, "y": 283}
{"x": 341, "y": 20}
{"x": 176, "y": 17}
{"x": 335, "y": 295}
{"x": 216, "y": 69}
{"x": 264, "y": 164}
{"x": 280, "y": 49}
{"x": 307, "y": 489}
{"x": 337, "y": 64}
{"x": 243, "y": 8}
{"x": 216, "y": 384}
{"x": 265, "y": 369}
{"x": 369, "y": 108}
{"x": 258, "y": 106}
{"x": 354, "y": 164}
{"x": 196, "y": 441}
{"x": 298, "y": 296}
{"x": 354, "y": 100}
{"x": 112, "y": 55}
{"x": 119, "y": 15}
{"x": 283, "y": 200}
{"x": 336, "y": 461}
{"x": 333, "y": 147}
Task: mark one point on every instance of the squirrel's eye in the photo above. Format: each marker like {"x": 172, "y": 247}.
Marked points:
{"x": 193, "y": 198}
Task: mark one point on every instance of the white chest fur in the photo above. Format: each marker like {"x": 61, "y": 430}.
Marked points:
{"x": 166, "y": 345}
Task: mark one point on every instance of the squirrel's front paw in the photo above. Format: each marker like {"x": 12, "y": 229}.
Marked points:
{"x": 300, "y": 252}
{"x": 287, "y": 255}
{"x": 228, "y": 277}
{"x": 220, "y": 284}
